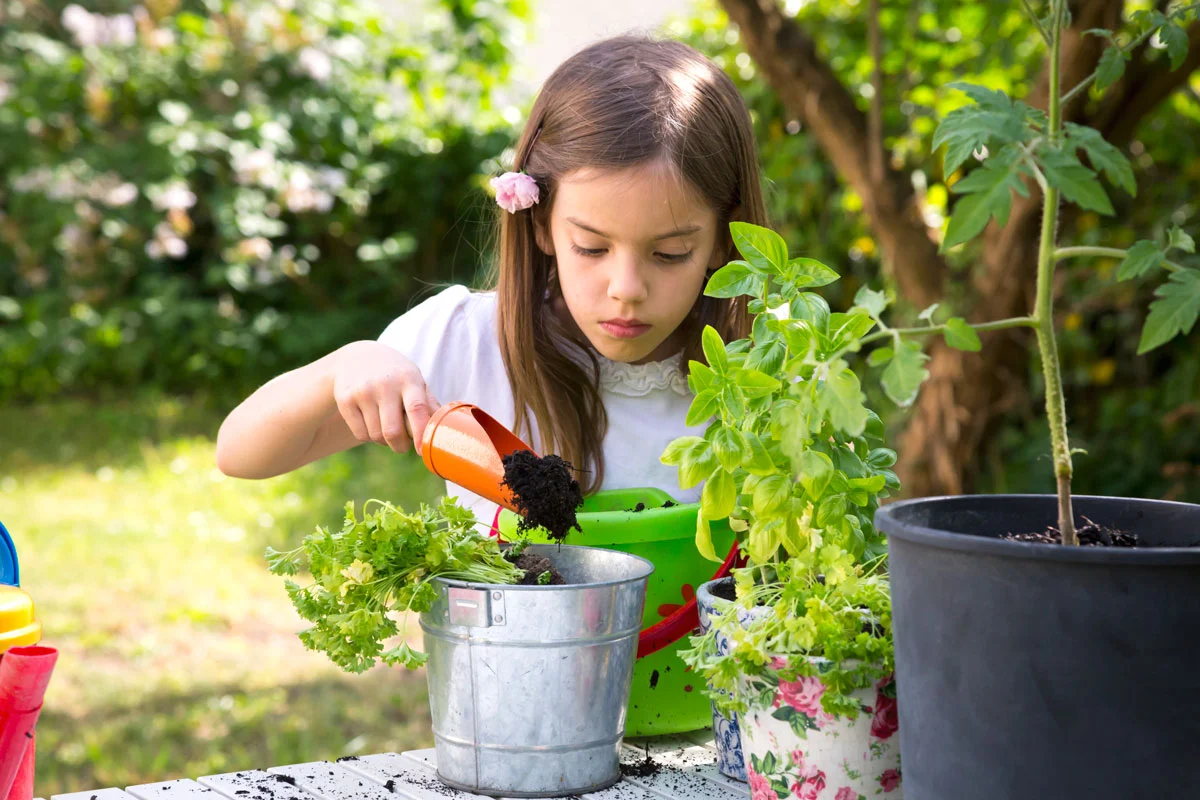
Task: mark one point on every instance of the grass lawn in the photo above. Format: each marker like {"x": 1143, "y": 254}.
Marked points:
{"x": 178, "y": 650}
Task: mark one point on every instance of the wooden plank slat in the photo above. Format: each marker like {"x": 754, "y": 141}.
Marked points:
{"x": 254, "y": 784}
{"x": 411, "y": 778}
{"x": 333, "y": 781}
{"x": 185, "y": 789}
{"x": 95, "y": 794}
{"x": 685, "y": 770}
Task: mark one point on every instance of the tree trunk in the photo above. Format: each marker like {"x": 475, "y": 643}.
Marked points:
{"x": 961, "y": 405}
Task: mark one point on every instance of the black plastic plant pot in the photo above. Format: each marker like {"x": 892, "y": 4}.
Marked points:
{"x": 1042, "y": 671}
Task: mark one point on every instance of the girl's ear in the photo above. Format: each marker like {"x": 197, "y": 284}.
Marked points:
{"x": 541, "y": 234}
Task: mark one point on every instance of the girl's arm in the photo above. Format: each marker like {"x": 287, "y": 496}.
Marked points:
{"x": 363, "y": 392}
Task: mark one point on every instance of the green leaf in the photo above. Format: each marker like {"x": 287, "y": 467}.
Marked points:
{"x": 703, "y": 408}
{"x": 816, "y": 470}
{"x": 904, "y": 375}
{"x": 964, "y": 130}
{"x": 735, "y": 279}
{"x": 767, "y": 358}
{"x": 874, "y": 302}
{"x": 989, "y": 99}
{"x": 807, "y": 273}
{"x": 1111, "y": 67}
{"x": 1144, "y": 256}
{"x": 962, "y": 336}
{"x": 698, "y": 464}
{"x": 771, "y": 493}
{"x": 281, "y": 563}
{"x": 1178, "y": 239}
{"x": 1175, "y": 310}
{"x": 730, "y": 447}
{"x": 879, "y": 356}
{"x": 719, "y": 495}
{"x": 840, "y": 398}
{"x": 1076, "y": 182}
{"x": 701, "y": 377}
{"x": 1103, "y": 155}
{"x": 812, "y": 308}
{"x": 846, "y": 329}
{"x": 762, "y": 247}
{"x": 1176, "y": 40}
{"x": 760, "y": 461}
{"x": 756, "y": 384}
{"x": 704, "y": 542}
{"x": 714, "y": 350}
{"x": 989, "y": 194}
{"x": 927, "y": 314}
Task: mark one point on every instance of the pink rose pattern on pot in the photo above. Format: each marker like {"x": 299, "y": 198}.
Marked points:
{"x": 886, "y": 720}
{"x": 760, "y": 786}
{"x": 890, "y": 780}
{"x": 804, "y": 695}
{"x": 797, "y": 751}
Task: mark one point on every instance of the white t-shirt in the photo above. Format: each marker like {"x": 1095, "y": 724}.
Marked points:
{"x": 453, "y": 338}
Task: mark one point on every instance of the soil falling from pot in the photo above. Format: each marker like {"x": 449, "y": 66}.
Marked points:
{"x": 544, "y": 492}
{"x": 1090, "y": 535}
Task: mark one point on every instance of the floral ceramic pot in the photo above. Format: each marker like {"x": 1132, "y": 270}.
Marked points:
{"x": 730, "y": 760}
{"x": 795, "y": 749}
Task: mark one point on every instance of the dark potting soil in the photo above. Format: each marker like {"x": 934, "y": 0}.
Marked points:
{"x": 534, "y": 565}
{"x": 544, "y": 492}
{"x": 646, "y": 768}
{"x": 725, "y": 591}
{"x": 643, "y": 506}
{"x": 1090, "y": 535}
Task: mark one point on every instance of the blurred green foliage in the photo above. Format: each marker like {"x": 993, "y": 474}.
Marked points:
{"x": 204, "y": 194}
{"x": 178, "y": 651}
{"x": 1138, "y": 417}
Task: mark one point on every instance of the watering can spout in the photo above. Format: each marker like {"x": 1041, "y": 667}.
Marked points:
{"x": 465, "y": 445}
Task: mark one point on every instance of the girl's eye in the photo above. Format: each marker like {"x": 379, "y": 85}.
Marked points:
{"x": 584, "y": 251}
{"x": 675, "y": 258}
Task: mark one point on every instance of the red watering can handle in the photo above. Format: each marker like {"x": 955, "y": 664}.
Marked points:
{"x": 678, "y": 623}
{"x": 683, "y": 620}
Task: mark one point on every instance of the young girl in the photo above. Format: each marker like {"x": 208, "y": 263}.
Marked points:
{"x": 636, "y": 156}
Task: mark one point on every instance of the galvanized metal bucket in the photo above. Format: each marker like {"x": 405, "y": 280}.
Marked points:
{"x": 528, "y": 685}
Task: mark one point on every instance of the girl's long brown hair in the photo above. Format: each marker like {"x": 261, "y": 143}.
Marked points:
{"x": 618, "y": 103}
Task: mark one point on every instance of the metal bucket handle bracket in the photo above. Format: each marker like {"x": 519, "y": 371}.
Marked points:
{"x": 475, "y": 608}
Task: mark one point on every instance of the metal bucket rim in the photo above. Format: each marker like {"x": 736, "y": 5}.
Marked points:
{"x": 647, "y": 565}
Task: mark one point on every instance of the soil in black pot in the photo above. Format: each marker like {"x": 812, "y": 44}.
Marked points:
{"x": 1090, "y": 535}
{"x": 544, "y": 491}
{"x": 534, "y": 566}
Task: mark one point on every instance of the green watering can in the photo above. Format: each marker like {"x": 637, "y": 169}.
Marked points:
{"x": 666, "y": 697}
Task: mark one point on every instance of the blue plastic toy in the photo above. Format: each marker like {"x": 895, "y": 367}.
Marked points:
{"x": 10, "y": 573}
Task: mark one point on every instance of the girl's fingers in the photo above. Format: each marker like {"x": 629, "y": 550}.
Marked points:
{"x": 418, "y": 409}
{"x": 391, "y": 420}
{"x": 370, "y": 413}
{"x": 354, "y": 419}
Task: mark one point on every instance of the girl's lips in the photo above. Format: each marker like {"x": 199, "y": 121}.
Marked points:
{"x": 620, "y": 331}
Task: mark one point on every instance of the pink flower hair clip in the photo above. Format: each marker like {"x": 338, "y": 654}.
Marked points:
{"x": 515, "y": 191}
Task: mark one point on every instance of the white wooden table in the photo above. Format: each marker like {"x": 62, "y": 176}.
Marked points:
{"x": 687, "y": 772}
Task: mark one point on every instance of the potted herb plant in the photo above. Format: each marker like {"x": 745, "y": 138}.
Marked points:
{"x": 492, "y": 618}
{"x": 800, "y": 646}
{"x": 1037, "y": 657}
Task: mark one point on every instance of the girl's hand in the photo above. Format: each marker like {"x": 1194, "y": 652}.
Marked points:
{"x": 381, "y": 395}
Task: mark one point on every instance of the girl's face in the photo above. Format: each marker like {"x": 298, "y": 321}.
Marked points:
{"x": 633, "y": 247}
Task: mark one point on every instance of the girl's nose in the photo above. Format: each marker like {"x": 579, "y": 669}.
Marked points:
{"x": 626, "y": 284}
